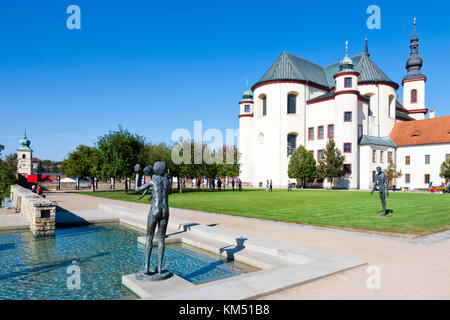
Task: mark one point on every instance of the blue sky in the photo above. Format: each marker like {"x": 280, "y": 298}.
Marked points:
{"x": 154, "y": 66}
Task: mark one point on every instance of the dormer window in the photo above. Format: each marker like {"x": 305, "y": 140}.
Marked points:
{"x": 347, "y": 82}
{"x": 414, "y": 96}
{"x": 416, "y": 133}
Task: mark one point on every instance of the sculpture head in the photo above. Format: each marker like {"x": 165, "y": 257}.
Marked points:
{"x": 378, "y": 170}
{"x": 148, "y": 170}
{"x": 159, "y": 168}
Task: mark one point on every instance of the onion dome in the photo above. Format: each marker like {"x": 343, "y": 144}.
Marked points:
{"x": 346, "y": 64}
{"x": 247, "y": 95}
{"x": 24, "y": 144}
{"x": 414, "y": 62}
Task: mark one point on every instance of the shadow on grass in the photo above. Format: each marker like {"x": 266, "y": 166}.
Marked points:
{"x": 388, "y": 211}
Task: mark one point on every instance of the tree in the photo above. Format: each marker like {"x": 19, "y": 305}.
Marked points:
{"x": 160, "y": 152}
{"x": 229, "y": 167}
{"x": 119, "y": 152}
{"x": 40, "y": 168}
{"x": 82, "y": 163}
{"x": 391, "y": 172}
{"x": 2, "y": 147}
{"x": 331, "y": 166}
{"x": 157, "y": 152}
{"x": 8, "y": 174}
{"x": 302, "y": 165}
{"x": 445, "y": 169}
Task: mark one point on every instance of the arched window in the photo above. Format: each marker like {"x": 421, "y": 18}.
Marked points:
{"x": 291, "y": 143}
{"x": 291, "y": 103}
{"x": 414, "y": 96}
{"x": 262, "y": 105}
{"x": 369, "y": 95}
{"x": 391, "y": 106}
{"x": 24, "y": 156}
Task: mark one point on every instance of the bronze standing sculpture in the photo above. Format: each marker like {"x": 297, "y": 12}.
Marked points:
{"x": 383, "y": 188}
{"x": 158, "y": 217}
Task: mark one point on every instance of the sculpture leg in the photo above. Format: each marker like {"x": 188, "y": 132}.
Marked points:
{"x": 151, "y": 225}
{"x": 383, "y": 200}
{"x": 162, "y": 228}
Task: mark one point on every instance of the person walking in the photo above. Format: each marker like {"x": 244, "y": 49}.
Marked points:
{"x": 289, "y": 186}
{"x": 232, "y": 183}
{"x": 210, "y": 185}
{"x": 219, "y": 184}
{"x": 267, "y": 186}
{"x": 240, "y": 185}
{"x": 271, "y": 186}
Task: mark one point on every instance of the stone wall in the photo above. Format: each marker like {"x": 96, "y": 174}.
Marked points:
{"x": 71, "y": 186}
{"x": 39, "y": 212}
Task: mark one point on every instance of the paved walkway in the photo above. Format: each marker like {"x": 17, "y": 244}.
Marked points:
{"x": 14, "y": 221}
{"x": 409, "y": 269}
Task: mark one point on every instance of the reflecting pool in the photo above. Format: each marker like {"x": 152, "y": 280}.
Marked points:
{"x": 44, "y": 268}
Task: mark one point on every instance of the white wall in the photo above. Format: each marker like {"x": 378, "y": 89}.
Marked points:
{"x": 419, "y": 85}
{"x": 367, "y": 166}
{"x": 417, "y": 168}
{"x": 24, "y": 166}
{"x": 383, "y": 119}
{"x": 270, "y": 159}
{"x": 266, "y": 158}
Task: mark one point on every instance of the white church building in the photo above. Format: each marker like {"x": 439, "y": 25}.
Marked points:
{"x": 298, "y": 102}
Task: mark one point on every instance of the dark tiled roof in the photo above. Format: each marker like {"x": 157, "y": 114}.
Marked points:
{"x": 326, "y": 95}
{"x": 399, "y": 105}
{"x": 331, "y": 94}
{"x": 402, "y": 116}
{"x": 368, "y": 70}
{"x": 401, "y": 112}
{"x": 289, "y": 66}
{"x": 378, "y": 141}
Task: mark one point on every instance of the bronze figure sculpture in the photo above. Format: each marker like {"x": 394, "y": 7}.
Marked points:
{"x": 158, "y": 217}
{"x": 382, "y": 184}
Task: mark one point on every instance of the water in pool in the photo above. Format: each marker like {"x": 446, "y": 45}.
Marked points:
{"x": 37, "y": 268}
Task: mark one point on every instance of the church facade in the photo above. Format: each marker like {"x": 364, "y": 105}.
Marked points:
{"x": 298, "y": 102}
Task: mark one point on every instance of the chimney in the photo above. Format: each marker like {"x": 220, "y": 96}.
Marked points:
{"x": 432, "y": 113}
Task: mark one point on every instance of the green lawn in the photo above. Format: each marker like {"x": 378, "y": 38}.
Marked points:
{"x": 412, "y": 212}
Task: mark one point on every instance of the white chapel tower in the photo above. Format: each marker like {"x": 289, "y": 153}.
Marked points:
{"x": 24, "y": 156}
{"x": 414, "y": 82}
{"x": 246, "y": 111}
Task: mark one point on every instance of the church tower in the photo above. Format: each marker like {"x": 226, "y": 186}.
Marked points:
{"x": 347, "y": 115}
{"x": 24, "y": 156}
{"x": 246, "y": 111}
{"x": 414, "y": 82}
